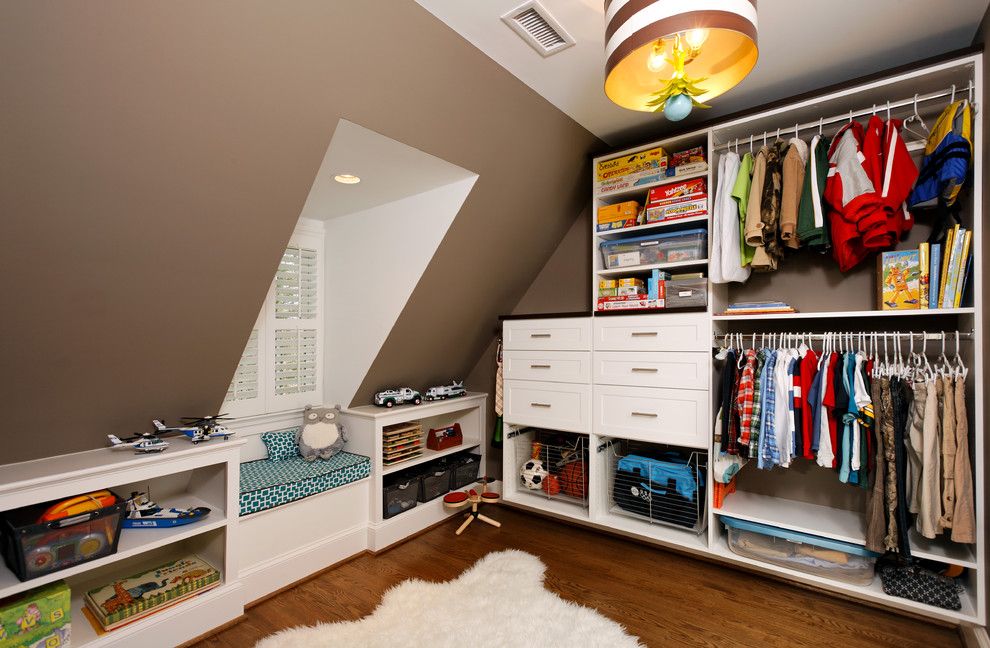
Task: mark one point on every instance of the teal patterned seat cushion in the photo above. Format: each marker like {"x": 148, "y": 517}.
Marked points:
{"x": 266, "y": 484}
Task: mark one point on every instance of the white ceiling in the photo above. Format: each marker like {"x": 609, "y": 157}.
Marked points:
{"x": 804, "y": 44}
{"x": 389, "y": 171}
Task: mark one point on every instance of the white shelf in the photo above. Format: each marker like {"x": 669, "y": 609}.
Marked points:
{"x": 674, "y": 224}
{"x": 848, "y": 314}
{"x": 132, "y": 543}
{"x": 415, "y": 412}
{"x": 565, "y": 507}
{"x": 622, "y": 193}
{"x": 837, "y": 524}
{"x": 652, "y": 266}
{"x": 430, "y": 455}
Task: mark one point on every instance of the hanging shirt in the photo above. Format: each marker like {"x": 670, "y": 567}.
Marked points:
{"x": 782, "y": 406}
{"x": 809, "y": 373}
{"x": 828, "y": 418}
{"x": 744, "y": 400}
{"x": 725, "y": 264}
{"x": 768, "y": 454}
{"x": 740, "y": 193}
{"x": 759, "y": 400}
{"x": 812, "y": 228}
{"x": 815, "y": 408}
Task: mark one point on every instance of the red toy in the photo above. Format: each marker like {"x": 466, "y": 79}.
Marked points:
{"x": 445, "y": 437}
{"x": 551, "y": 485}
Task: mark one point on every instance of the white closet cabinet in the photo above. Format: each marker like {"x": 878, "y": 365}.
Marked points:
{"x": 651, "y": 375}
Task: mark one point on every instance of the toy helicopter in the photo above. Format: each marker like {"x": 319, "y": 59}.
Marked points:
{"x": 146, "y": 443}
{"x": 197, "y": 429}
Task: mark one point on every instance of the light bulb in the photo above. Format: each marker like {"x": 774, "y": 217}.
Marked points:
{"x": 695, "y": 38}
{"x": 656, "y": 61}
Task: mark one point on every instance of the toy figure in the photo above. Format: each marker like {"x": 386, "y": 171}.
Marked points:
{"x": 30, "y": 618}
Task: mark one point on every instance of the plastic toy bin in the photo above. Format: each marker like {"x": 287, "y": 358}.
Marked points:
{"x": 399, "y": 495}
{"x": 687, "y": 293}
{"x": 33, "y": 549}
{"x": 464, "y": 470}
{"x": 434, "y": 482}
{"x": 689, "y": 245}
{"x": 801, "y": 551}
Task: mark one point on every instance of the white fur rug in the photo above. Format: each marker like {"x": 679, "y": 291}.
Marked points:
{"x": 499, "y": 602}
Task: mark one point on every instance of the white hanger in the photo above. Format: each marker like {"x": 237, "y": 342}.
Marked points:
{"x": 960, "y": 366}
{"x": 795, "y": 131}
{"x": 888, "y": 110}
{"x": 821, "y": 121}
{"x": 750, "y": 143}
{"x": 952, "y": 97}
{"x": 970, "y": 88}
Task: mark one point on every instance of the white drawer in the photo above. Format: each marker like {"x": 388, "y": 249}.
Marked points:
{"x": 674, "y": 416}
{"x": 672, "y": 369}
{"x": 560, "y": 334}
{"x": 662, "y": 332}
{"x": 558, "y": 406}
{"x": 550, "y": 366}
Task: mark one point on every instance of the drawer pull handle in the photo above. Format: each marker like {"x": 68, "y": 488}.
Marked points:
{"x": 645, "y": 333}
{"x": 539, "y": 335}
{"x": 646, "y": 414}
{"x": 539, "y": 404}
{"x": 645, "y": 369}
{"x": 539, "y": 366}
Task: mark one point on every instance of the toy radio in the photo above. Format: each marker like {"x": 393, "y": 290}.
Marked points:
{"x": 445, "y": 437}
{"x": 48, "y": 537}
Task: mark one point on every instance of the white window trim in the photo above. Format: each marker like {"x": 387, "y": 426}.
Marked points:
{"x": 269, "y": 408}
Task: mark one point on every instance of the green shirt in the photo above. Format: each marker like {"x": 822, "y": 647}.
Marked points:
{"x": 740, "y": 192}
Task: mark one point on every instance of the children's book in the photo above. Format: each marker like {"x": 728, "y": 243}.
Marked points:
{"x": 924, "y": 279}
{"x": 964, "y": 266}
{"x": 944, "y": 273}
{"x": 954, "y": 266}
{"x": 139, "y": 595}
{"x": 934, "y": 274}
{"x": 899, "y": 280}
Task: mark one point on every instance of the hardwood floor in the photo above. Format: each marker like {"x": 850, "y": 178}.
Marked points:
{"x": 664, "y": 598}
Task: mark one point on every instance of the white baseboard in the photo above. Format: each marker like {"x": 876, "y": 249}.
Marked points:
{"x": 974, "y": 636}
{"x": 263, "y": 578}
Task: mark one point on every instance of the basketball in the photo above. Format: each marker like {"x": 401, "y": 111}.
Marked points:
{"x": 574, "y": 480}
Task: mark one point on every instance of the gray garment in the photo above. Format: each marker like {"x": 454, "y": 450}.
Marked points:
{"x": 931, "y": 476}
{"x": 914, "y": 443}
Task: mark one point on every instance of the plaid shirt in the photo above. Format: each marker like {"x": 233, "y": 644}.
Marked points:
{"x": 758, "y": 404}
{"x": 768, "y": 455}
{"x": 744, "y": 397}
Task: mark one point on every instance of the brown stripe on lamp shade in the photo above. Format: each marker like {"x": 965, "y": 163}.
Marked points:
{"x": 674, "y": 24}
{"x": 633, "y": 7}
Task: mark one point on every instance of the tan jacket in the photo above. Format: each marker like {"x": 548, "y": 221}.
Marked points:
{"x": 790, "y": 200}
{"x": 754, "y": 224}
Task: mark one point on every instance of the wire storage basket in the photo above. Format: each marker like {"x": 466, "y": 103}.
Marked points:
{"x": 657, "y": 483}
{"x": 552, "y": 464}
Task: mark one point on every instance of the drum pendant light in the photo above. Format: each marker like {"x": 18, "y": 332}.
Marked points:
{"x": 671, "y": 55}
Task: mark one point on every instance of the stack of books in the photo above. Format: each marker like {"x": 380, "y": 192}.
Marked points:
{"x": 758, "y": 308}
{"x": 401, "y": 442}
{"x": 931, "y": 277}
{"x": 129, "y": 599}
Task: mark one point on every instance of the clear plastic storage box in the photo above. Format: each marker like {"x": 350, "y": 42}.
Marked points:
{"x": 801, "y": 552}
{"x": 689, "y": 245}
{"x": 687, "y": 293}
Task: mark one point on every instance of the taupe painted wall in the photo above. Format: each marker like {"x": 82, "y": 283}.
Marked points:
{"x": 155, "y": 158}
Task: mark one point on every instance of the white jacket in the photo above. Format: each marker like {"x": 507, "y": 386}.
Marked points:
{"x": 725, "y": 264}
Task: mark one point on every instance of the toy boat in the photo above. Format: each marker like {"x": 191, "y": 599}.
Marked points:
{"x": 143, "y": 513}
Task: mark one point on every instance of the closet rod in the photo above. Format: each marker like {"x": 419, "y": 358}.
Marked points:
{"x": 906, "y": 336}
{"x": 849, "y": 116}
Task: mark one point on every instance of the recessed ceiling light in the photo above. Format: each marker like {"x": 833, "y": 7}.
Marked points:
{"x": 347, "y": 178}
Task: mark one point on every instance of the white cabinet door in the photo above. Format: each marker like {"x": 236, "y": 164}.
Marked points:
{"x": 557, "y": 334}
{"x": 549, "y": 366}
{"x": 673, "y": 416}
{"x": 673, "y": 370}
{"x": 661, "y": 332}
{"x": 558, "y": 406}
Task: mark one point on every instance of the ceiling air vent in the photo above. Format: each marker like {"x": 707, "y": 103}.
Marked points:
{"x": 536, "y": 26}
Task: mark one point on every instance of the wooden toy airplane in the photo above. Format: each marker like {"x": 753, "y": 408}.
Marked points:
{"x": 459, "y": 499}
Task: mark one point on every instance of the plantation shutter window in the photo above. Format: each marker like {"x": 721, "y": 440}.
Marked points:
{"x": 295, "y": 361}
{"x": 297, "y": 284}
{"x": 244, "y": 386}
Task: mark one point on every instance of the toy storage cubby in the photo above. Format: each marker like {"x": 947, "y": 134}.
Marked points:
{"x": 366, "y": 430}
{"x": 186, "y": 475}
{"x": 548, "y": 466}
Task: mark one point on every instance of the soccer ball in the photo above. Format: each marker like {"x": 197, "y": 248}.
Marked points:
{"x": 532, "y": 474}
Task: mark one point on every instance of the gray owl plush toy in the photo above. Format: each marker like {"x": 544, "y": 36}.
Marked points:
{"x": 322, "y": 435}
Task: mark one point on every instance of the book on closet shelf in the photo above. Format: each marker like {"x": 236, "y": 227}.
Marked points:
{"x": 944, "y": 270}
{"x": 899, "y": 275}
{"x": 964, "y": 268}
{"x": 924, "y": 277}
{"x": 954, "y": 266}
{"x": 935, "y": 265}
{"x": 965, "y": 282}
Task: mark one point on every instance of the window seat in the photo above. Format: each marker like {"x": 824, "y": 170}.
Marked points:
{"x": 266, "y": 484}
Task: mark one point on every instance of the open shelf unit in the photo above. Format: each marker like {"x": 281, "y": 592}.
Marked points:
{"x": 826, "y": 300}
{"x": 205, "y": 475}
{"x": 364, "y": 427}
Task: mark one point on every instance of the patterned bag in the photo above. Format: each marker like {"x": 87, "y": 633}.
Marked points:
{"x": 916, "y": 583}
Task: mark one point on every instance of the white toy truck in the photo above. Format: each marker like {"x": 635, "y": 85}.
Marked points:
{"x": 393, "y": 397}
{"x": 445, "y": 391}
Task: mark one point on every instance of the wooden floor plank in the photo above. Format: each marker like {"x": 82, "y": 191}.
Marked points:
{"x": 665, "y": 598}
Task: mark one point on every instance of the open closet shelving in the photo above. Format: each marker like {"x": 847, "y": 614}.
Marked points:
{"x": 809, "y": 500}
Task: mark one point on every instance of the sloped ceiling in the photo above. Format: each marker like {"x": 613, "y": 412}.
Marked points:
{"x": 155, "y": 159}
{"x": 804, "y": 45}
